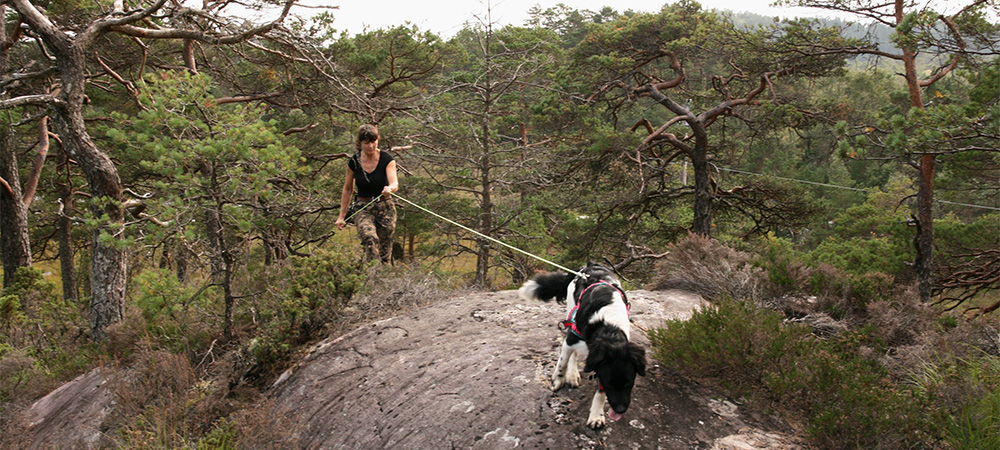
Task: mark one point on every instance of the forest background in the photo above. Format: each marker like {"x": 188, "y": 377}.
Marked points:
{"x": 188, "y": 164}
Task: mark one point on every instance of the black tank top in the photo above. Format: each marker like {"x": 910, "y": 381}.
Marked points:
{"x": 370, "y": 184}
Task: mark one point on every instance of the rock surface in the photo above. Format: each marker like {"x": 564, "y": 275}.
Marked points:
{"x": 70, "y": 416}
{"x": 473, "y": 373}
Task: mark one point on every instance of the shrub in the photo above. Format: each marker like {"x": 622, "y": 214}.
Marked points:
{"x": 253, "y": 427}
{"x": 871, "y": 287}
{"x": 859, "y": 256}
{"x": 151, "y": 402}
{"x": 780, "y": 261}
{"x": 731, "y": 340}
{"x": 301, "y": 298}
{"x": 38, "y": 325}
{"x": 175, "y": 316}
{"x": 706, "y": 267}
{"x": 969, "y": 391}
{"x": 849, "y": 399}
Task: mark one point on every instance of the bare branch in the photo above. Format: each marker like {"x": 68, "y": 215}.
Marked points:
{"x": 6, "y": 187}
{"x": 294, "y": 130}
{"x": 36, "y": 170}
{"x": 129, "y": 86}
{"x": 955, "y": 58}
{"x": 245, "y": 98}
{"x": 25, "y": 100}
{"x": 128, "y": 29}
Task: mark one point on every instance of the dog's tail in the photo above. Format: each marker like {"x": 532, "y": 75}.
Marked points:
{"x": 546, "y": 286}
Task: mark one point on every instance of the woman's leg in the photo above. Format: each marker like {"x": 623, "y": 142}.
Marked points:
{"x": 365, "y": 221}
{"x": 385, "y": 226}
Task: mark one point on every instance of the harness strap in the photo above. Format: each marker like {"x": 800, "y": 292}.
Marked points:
{"x": 570, "y": 322}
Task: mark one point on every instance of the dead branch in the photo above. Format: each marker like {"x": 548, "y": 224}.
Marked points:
{"x": 36, "y": 169}
{"x": 60, "y": 212}
{"x": 6, "y": 187}
{"x": 129, "y": 86}
{"x": 245, "y": 98}
{"x": 294, "y": 130}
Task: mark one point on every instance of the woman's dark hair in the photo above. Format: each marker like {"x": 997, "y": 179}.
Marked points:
{"x": 366, "y": 133}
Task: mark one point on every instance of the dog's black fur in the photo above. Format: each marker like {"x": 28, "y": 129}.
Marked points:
{"x": 602, "y": 322}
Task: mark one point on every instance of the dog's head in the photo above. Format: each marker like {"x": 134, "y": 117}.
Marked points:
{"x": 616, "y": 365}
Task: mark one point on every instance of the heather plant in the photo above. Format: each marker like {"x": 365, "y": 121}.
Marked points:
{"x": 779, "y": 260}
{"x": 707, "y": 267}
{"x": 732, "y": 341}
{"x": 42, "y": 340}
{"x": 848, "y": 399}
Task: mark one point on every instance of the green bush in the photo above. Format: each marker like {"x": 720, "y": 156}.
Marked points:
{"x": 175, "y": 316}
{"x": 778, "y": 258}
{"x": 310, "y": 291}
{"x": 871, "y": 287}
{"x": 37, "y": 322}
{"x": 849, "y": 400}
{"x": 969, "y": 391}
{"x": 733, "y": 341}
{"x": 859, "y": 256}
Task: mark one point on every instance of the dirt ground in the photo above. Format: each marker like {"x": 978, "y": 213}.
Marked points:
{"x": 473, "y": 373}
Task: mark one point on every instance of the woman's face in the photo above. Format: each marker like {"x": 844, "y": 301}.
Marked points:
{"x": 369, "y": 146}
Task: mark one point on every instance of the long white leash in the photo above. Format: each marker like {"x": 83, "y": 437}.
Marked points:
{"x": 488, "y": 237}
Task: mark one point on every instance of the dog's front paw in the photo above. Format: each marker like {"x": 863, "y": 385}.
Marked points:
{"x": 573, "y": 378}
{"x": 596, "y": 421}
{"x": 557, "y": 382}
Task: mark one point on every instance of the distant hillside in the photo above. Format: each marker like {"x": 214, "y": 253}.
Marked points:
{"x": 872, "y": 32}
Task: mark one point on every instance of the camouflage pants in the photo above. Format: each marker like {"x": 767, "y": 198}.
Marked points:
{"x": 376, "y": 224}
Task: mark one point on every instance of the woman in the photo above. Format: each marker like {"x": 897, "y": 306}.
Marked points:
{"x": 374, "y": 173}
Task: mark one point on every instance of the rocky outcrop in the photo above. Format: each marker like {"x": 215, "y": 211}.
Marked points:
{"x": 470, "y": 372}
{"x": 473, "y": 372}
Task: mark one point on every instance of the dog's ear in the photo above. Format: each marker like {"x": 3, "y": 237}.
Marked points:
{"x": 638, "y": 355}
{"x": 598, "y": 352}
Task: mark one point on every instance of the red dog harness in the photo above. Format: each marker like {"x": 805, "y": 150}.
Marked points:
{"x": 570, "y": 322}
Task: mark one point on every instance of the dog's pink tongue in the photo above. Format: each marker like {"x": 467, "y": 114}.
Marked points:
{"x": 614, "y": 415}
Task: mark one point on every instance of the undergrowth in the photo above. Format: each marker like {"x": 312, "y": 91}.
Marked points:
{"x": 893, "y": 374}
{"x": 173, "y": 381}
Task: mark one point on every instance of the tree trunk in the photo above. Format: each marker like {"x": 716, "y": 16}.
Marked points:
{"x": 15, "y": 246}
{"x": 67, "y": 259}
{"x": 67, "y": 252}
{"x": 923, "y": 263}
{"x": 222, "y": 268}
{"x": 485, "y": 211}
{"x": 14, "y": 239}
{"x": 222, "y": 261}
{"x": 703, "y": 194}
{"x": 108, "y": 261}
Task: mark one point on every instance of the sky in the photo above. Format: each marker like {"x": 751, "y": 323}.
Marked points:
{"x": 447, "y": 17}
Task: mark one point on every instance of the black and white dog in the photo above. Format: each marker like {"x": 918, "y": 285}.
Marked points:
{"x": 598, "y": 324}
